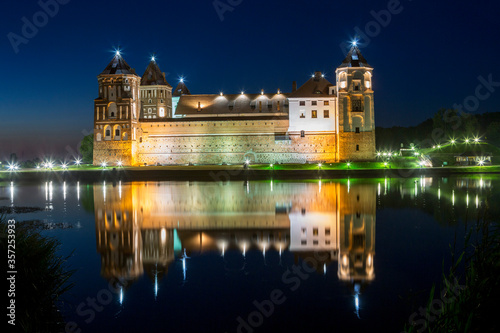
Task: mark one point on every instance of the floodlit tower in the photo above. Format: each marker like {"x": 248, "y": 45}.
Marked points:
{"x": 156, "y": 93}
{"x": 355, "y": 105}
{"x": 116, "y": 113}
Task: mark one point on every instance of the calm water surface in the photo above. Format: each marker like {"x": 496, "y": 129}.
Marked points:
{"x": 319, "y": 256}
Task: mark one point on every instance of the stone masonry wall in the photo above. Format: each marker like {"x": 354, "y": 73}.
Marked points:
{"x": 113, "y": 151}
{"x": 348, "y": 142}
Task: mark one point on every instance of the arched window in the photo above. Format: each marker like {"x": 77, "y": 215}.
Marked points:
{"x": 117, "y": 131}
{"x": 107, "y": 132}
{"x": 112, "y": 110}
{"x": 302, "y": 134}
{"x": 98, "y": 137}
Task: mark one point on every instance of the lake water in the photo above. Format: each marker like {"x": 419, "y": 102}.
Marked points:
{"x": 351, "y": 255}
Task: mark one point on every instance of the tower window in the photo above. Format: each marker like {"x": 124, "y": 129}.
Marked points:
{"x": 108, "y": 132}
{"x": 357, "y": 147}
{"x": 314, "y": 114}
{"x": 150, "y": 110}
{"x": 326, "y": 114}
{"x": 150, "y": 101}
{"x": 357, "y": 105}
{"x": 112, "y": 114}
{"x": 357, "y": 129}
{"x": 117, "y": 132}
{"x": 302, "y": 134}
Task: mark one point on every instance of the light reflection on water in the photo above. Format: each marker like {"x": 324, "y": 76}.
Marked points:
{"x": 168, "y": 231}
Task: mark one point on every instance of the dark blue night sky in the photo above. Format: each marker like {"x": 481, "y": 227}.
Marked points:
{"x": 428, "y": 56}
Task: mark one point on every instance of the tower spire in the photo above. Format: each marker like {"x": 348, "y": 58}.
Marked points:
{"x": 354, "y": 58}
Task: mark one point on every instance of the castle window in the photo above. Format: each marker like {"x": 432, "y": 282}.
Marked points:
{"x": 326, "y": 114}
{"x": 314, "y": 114}
{"x": 314, "y": 103}
{"x": 356, "y": 86}
{"x": 326, "y": 103}
{"x": 150, "y": 110}
{"x": 278, "y": 105}
{"x": 162, "y": 112}
{"x": 161, "y": 101}
{"x": 302, "y": 134}
{"x": 260, "y": 105}
{"x": 150, "y": 101}
{"x": 357, "y": 147}
{"x": 357, "y": 129}
{"x": 302, "y": 103}
{"x": 357, "y": 105}
{"x": 117, "y": 132}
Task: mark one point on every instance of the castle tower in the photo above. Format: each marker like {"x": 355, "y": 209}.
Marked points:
{"x": 156, "y": 93}
{"x": 116, "y": 114}
{"x": 180, "y": 90}
{"x": 355, "y": 107}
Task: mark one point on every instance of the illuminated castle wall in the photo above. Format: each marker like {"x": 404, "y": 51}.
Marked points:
{"x": 143, "y": 121}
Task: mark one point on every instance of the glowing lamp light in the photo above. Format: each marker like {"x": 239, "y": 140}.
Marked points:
{"x": 78, "y": 161}
{"x": 322, "y": 75}
{"x": 439, "y": 146}
{"x": 104, "y": 164}
{"x": 152, "y": 58}
{"x": 119, "y": 163}
{"x": 271, "y": 165}
{"x": 395, "y": 154}
{"x": 118, "y": 52}
{"x": 247, "y": 162}
{"x": 467, "y": 140}
{"x": 480, "y": 162}
{"x": 64, "y": 166}
{"x": 181, "y": 80}
{"x": 38, "y": 167}
{"x": 354, "y": 43}
{"x": 385, "y": 164}
{"x": 434, "y": 147}
{"x": 378, "y": 154}
{"x": 242, "y": 92}
{"x": 476, "y": 140}
{"x": 385, "y": 154}
{"x": 319, "y": 165}
{"x": 221, "y": 93}
{"x": 416, "y": 154}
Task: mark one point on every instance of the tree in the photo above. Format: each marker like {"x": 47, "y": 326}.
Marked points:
{"x": 87, "y": 148}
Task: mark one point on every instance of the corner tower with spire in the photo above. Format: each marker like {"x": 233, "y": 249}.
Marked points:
{"x": 116, "y": 113}
{"x": 355, "y": 107}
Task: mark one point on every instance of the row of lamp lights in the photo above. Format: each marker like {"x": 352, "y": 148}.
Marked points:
{"x": 47, "y": 165}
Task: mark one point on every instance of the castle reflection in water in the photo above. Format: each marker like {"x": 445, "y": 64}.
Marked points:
{"x": 142, "y": 227}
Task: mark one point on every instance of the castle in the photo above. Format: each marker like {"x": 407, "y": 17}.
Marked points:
{"x": 143, "y": 121}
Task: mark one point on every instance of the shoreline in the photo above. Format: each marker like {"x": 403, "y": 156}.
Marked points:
{"x": 226, "y": 173}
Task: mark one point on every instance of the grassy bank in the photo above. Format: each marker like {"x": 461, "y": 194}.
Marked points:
{"x": 42, "y": 277}
{"x": 469, "y": 291}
